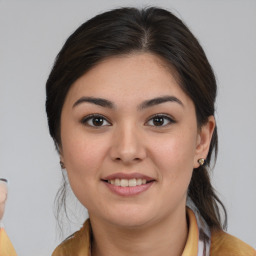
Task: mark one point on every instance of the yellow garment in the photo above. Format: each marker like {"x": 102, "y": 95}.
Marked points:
{"x": 6, "y": 247}
{"x": 225, "y": 244}
{"x": 222, "y": 244}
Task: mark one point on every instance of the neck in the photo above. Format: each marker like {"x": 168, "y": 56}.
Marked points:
{"x": 167, "y": 238}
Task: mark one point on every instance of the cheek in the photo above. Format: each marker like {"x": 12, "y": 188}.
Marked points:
{"x": 174, "y": 157}
{"x": 176, "y": 151}
{"x": 82, "y": 158}
{"x": 83, "y": 154}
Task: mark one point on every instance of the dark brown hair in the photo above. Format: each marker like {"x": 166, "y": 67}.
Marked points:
{"x": 153, "y": 30}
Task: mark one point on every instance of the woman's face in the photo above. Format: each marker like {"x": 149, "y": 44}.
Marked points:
{"x": 125, "y": 123}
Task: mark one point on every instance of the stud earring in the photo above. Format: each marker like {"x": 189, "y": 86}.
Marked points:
{"x": 201, "y": 161}
{"x": 62, "y": 165}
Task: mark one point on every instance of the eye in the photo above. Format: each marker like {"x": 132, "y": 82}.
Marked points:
{"x": 95, "y": 121}
{"x": 160, "y": 120}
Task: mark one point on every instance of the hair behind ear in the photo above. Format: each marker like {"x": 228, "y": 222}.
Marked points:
{"x": 204, "y": 197}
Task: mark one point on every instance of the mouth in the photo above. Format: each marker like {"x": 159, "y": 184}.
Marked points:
{"x": 128, "y": 184}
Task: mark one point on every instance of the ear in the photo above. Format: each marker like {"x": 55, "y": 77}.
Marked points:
{"x": 61, "y": 156}
{"x": 62, "y": 164}
{"x": 204, "y": 140}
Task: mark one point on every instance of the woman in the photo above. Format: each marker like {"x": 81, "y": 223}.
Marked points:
{"x": 130, "y": 105}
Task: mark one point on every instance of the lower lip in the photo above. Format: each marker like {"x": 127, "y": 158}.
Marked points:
{"x": 128, "y": 191}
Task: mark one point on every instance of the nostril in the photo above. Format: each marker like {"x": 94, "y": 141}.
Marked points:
{"x": 135, "y": 159}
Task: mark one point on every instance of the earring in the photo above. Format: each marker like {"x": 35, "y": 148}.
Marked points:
{"x": 62, "y": 165}
{"x": 201, "y": 161}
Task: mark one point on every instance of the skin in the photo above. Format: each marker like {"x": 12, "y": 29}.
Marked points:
{"x": 3, "y": 197}
{"x": 129, "y": 141}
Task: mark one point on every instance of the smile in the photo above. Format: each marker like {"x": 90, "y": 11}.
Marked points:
{"x": 124, "y": 184}
{"x": 127, "y": 182}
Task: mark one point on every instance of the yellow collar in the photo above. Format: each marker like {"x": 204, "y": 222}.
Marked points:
{"x": 80, "y": 243}
{"x": 191, "y": 247}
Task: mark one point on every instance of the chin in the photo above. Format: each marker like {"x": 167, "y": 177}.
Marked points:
{"x": 130, "y": 218}
{"x": 130, "y": 223}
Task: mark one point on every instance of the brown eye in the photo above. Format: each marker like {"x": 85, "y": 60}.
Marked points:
{"x": 95, "y": 121}
{"x": 160, "y": 121}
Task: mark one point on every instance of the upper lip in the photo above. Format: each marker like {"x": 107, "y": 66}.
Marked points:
{"x": 127, "y": 176}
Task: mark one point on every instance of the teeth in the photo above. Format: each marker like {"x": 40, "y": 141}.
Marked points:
{"x": 127, "y": 183}
{"x": 124, "y": 183}
{"x": 139, "y": 181}
{"x": 117, "y": 182}
{"x": 132, "y": 183}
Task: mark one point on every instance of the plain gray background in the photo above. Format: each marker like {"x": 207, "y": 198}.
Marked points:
{"x": 32, "y": 33}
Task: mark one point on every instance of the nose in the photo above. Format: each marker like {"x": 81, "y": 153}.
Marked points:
{"x": 127, "y": 145}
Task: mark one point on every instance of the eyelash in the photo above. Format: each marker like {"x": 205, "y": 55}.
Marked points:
{"x": 169, "y": 119}
{"x": 87, "y": 119}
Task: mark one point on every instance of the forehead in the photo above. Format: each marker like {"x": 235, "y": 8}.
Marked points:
{"x": 137, "y": 75}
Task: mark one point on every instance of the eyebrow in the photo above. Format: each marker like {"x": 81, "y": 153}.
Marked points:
{"x": 145, "y": 104}
{"x": 97, "y": 101}
{"x": 159, "y": 100}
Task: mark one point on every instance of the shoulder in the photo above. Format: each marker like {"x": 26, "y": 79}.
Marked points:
{"x": 228, "y": 245}
{"x": 76, "y": 244}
